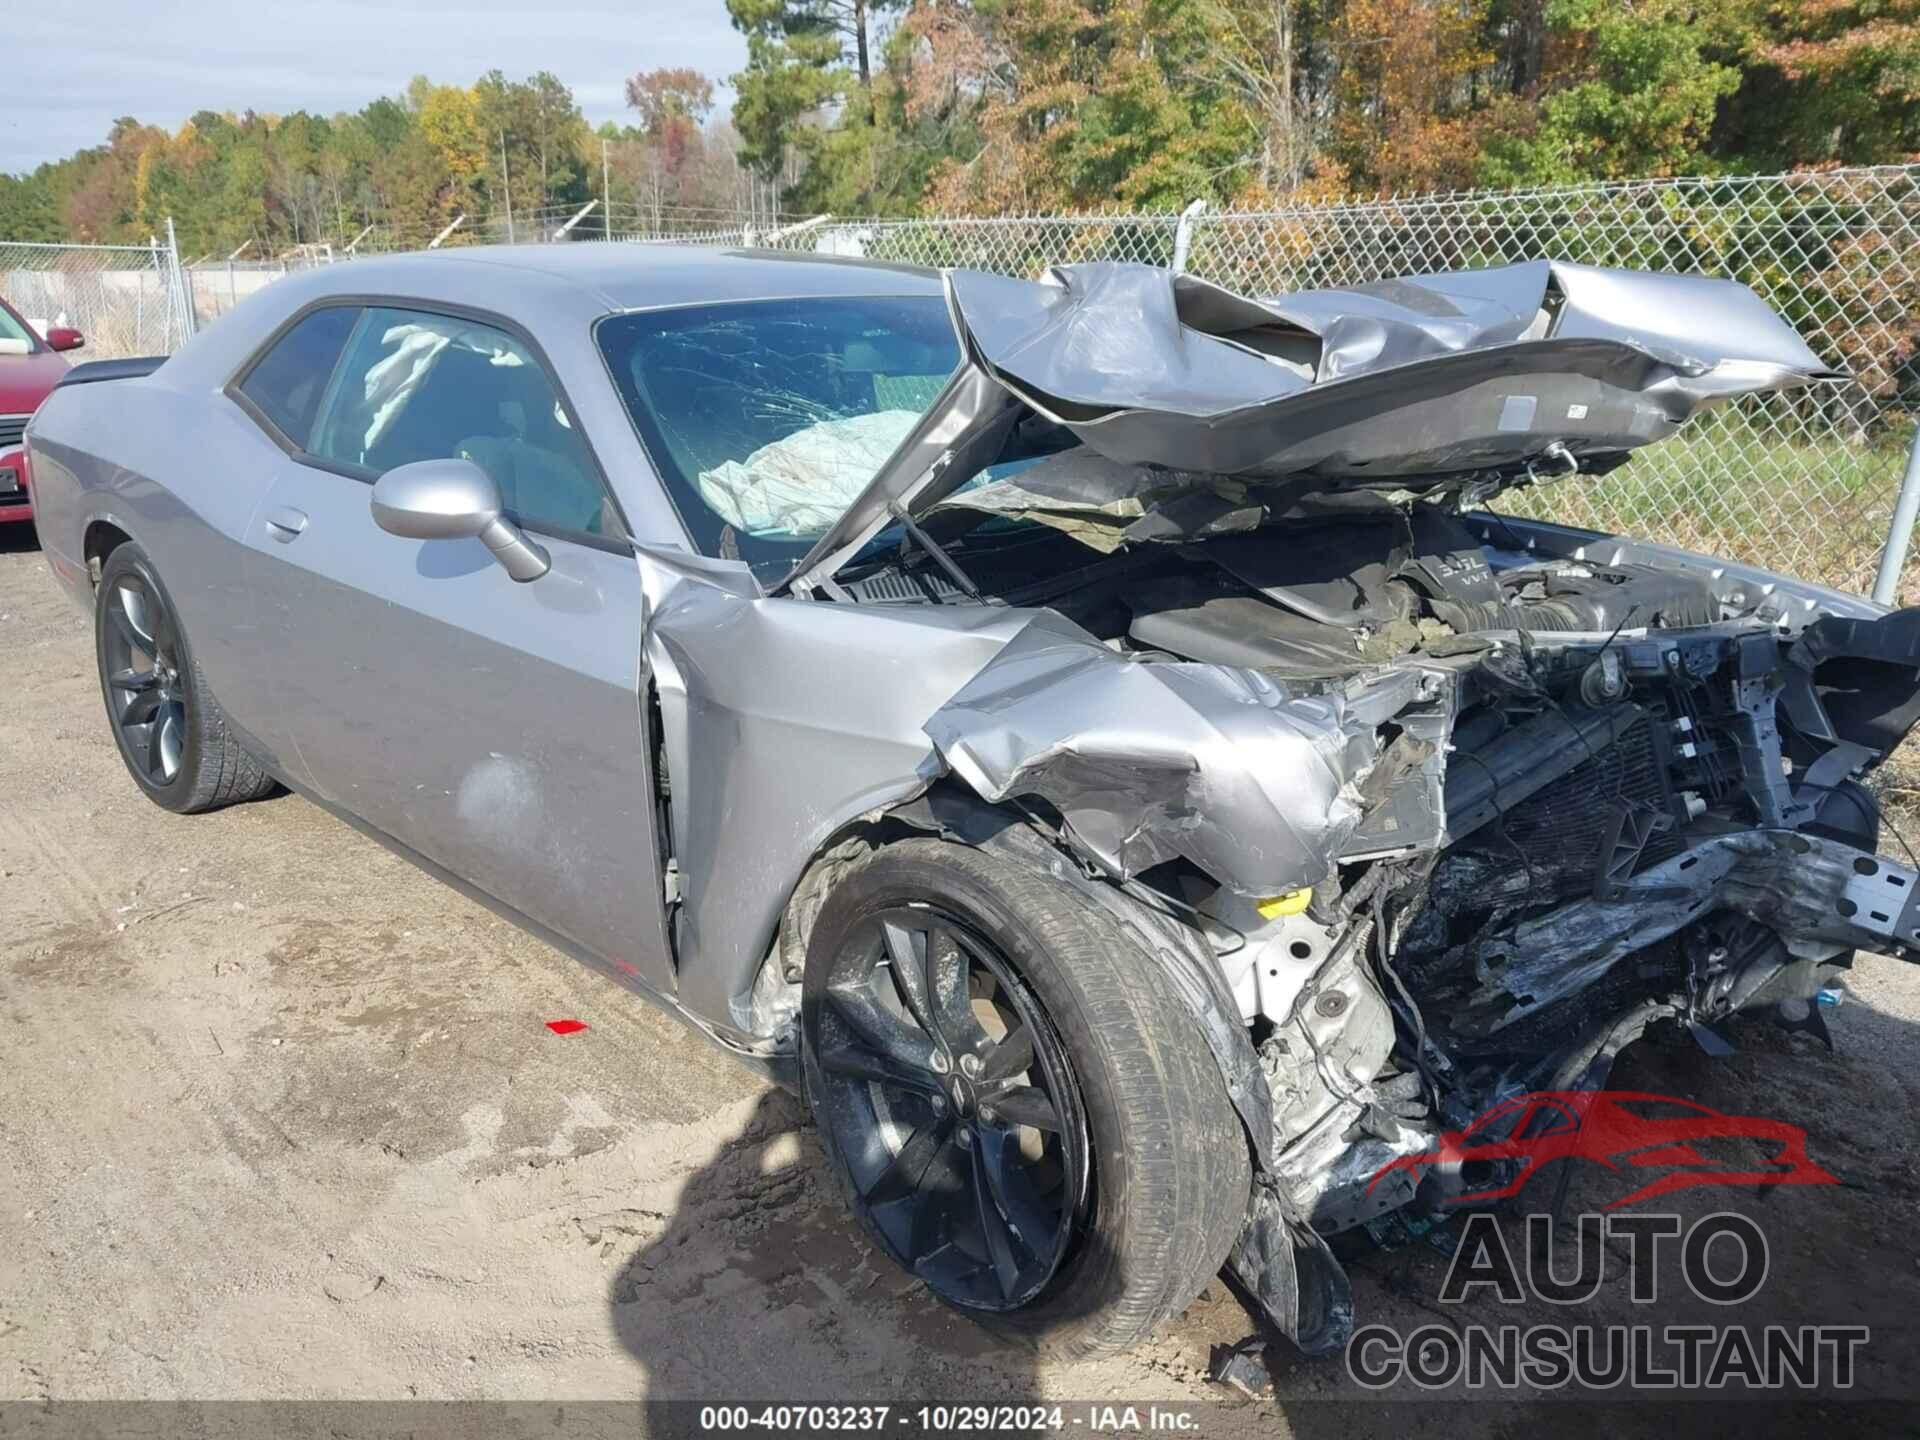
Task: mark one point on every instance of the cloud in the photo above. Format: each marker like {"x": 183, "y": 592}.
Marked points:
{"x": 82, "y": 65}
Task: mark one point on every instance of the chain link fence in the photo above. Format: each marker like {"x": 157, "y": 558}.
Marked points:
{"x": 126, "y": 299}
{"x": 216, "y": 286}
{"x": 1804, "y": 483}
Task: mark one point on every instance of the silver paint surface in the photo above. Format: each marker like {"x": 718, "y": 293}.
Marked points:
{"x": 1152, "y": 760}
{"x": 1421, "y": 379}
{"x": 501, "y": 729}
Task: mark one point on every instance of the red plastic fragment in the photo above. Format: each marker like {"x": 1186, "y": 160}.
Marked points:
{"x": 566, "y": 1027}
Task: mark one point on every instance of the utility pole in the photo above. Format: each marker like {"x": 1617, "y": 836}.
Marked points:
{"x": 506, "y": 184}
{"x": 606, "y": 190}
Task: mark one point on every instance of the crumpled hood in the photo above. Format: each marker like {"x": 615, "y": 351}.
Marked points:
{"x": 1426, "y": 375}
{"x": 1404, "y": 383}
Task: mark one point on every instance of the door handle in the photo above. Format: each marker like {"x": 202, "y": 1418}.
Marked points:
{"x": 285, "y": 523}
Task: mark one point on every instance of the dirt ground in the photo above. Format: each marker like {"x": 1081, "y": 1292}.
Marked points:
{"x": 280, "y": 1117}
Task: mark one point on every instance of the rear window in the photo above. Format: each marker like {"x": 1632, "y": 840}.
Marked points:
{"x": 767, "y": 418}
{"x": 288, "y": 383}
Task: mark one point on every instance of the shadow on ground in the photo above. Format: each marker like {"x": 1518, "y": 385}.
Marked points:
{"x": 761, "y": 1286}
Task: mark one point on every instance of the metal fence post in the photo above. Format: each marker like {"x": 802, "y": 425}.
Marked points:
{"x": 781, "y": 236}
{"x": 1900, "y": 529}
{"x": 179, "y": 286}
{"x": 1183, "y": 236}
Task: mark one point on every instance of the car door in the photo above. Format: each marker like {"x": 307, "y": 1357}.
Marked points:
{"x": 494, "y": 727}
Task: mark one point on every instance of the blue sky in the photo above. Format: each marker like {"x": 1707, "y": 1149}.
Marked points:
{"x": 75, "y": 65}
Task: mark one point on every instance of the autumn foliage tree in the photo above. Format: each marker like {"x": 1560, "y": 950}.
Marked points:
{"x": 1851, "y": 79}
{"x": 897, "y": 107}
{"x": 409, "y": 163}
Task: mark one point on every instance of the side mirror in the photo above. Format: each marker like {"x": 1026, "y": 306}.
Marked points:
{"x": 61, "y": 337}
{"x": 454, "y": 500}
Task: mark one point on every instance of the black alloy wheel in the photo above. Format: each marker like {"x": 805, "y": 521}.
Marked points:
{"x": 147, "y": 690}
{"x": 953, "y": 1104}
{"x": 167, "y": 725}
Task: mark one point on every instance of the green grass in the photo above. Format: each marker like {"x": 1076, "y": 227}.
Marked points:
{"x": 1726, "y": 486}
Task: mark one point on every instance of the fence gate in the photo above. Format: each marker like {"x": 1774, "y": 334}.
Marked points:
{"x": 126, "y": 299}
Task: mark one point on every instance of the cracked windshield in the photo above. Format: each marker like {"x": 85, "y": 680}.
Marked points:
{"x": 767, "y": 418}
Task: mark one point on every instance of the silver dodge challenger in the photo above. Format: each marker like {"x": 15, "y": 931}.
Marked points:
{"x": 1097, "y": 737}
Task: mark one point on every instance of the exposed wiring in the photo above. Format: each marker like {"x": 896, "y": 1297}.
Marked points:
{"x": 1505, "y": 528}
{"x": 1880, "y": 813}
{"x": 1423, "y": 1044}
{"x": 1500, "y": 826}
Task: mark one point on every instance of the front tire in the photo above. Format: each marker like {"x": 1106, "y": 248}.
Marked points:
{"x": 169, "y": 728}
{"x": 1019, "y": 1107}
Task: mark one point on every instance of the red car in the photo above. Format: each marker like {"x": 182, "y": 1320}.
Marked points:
{"x": 29, "y": 369}
{"x": 1674, "y": 1144}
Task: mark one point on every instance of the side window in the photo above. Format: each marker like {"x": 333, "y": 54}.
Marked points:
{"x": 290, "y": 380}
{"x": 420, "y": 386}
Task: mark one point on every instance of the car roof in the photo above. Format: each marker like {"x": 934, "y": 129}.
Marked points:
{"x": 638, "y": 276}
{"x": 552, "y": 289}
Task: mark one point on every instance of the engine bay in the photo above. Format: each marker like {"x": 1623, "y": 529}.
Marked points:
{"x": 1608, "y": 791}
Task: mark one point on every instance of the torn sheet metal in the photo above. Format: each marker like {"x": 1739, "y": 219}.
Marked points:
{"x": 1427, "y": 376}
{"x": 1148, "y": 761}
{"x": 1300, "y": 1289}
{"x": 784, "y": 721}
{"x": 1801, "y": 886}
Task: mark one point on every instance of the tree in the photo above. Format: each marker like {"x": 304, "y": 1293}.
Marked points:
{"x": 411, "y": 163}
{"x": 797, "y": 64}
{"x": 1833, "y": 81}
{"x": 28, "y": 207}
{"x": 450, "y": 121}
{"x": 1634, "y": 90}
{"x": 662, "y": 97}
{"x": 1090, "y": 102}
{"x": 835, "y": 23}
{"x": 1407, "y": 93}
{"x": 673, "y": 105}
{"x": 1257, "y": 56}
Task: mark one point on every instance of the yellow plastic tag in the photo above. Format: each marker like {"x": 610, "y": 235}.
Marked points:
{"x": 1291, "y": 903}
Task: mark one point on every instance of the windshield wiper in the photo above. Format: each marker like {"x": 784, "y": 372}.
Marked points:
{"x": 932, "y": 547}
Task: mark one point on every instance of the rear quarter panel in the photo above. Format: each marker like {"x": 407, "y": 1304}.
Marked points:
{"x": 180, "y": 472}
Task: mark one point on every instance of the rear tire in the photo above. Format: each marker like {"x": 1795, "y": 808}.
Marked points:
{"x": 168, "y": 727}
{"x": 1167, "y": 1170}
